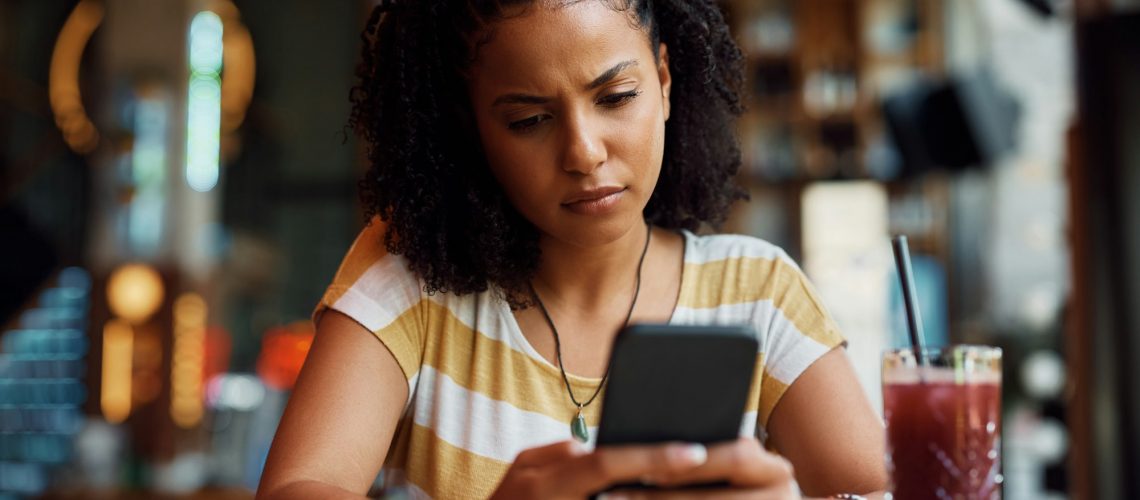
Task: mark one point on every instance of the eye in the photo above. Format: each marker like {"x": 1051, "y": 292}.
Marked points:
{"x": 527, "y": 123}
{"x": 619, "y": 99}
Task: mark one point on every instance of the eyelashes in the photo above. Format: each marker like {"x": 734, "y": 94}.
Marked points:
{"x": 528, "y": 123}
{"x": 609, "y": 101}
{"x": 618, "y": 99}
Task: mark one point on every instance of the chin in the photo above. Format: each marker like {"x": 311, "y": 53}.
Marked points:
{"x": 587, "y": 231}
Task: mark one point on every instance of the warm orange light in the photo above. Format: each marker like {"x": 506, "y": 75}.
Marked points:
{"x": 135, "y": 292}
{"x": 71, "y": 116}
{"x": 283, "y": 352}
{"x": 240, "y": 69}
{"x": 118, "y": 351}
{"x": 63, "y": 76}
{"x": 189, "y": 352}
{"x": 239, "y": 74}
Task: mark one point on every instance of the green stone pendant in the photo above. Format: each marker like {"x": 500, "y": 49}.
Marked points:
{"x": 578, "y": 428}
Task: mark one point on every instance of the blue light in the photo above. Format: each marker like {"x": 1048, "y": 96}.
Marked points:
{"x": 148, "y": 158}
{"x": 204, "y": 103}
{"x": 206, "y": 43}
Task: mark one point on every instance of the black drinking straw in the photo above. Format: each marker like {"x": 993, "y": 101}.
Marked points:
{"x": 910, "y": 298}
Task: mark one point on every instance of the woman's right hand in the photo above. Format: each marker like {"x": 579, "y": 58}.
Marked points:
{"x": 566, "y": 470}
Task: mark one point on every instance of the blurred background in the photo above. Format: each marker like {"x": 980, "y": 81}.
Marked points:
{"x": 177, "y": 187}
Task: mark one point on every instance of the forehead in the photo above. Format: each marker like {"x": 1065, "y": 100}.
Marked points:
{"x": 552, "y": 42}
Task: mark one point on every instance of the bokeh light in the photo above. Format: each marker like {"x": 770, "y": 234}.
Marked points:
{"x": 204, "y": 108}
{"x": 135, "y": 292}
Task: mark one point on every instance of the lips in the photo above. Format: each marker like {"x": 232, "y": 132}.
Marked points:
{"x": 599, "y": 201}
{"x": 592, "y": 194}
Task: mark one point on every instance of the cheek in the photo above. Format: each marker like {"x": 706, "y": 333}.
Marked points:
{"x": 654, "y": 158}
{"x": 658, "y": 140}
{"x": 642, "y": 142}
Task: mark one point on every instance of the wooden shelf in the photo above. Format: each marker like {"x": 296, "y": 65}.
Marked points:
{"x": 829, "y": 44}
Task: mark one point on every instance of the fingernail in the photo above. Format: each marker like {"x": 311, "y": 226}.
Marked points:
{"x": 693, "y": 454}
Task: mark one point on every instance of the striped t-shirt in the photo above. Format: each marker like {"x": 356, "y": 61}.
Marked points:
{"x": 479, "y": 393}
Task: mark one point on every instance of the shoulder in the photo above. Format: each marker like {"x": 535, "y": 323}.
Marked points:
{"x": 737, "y": 270}
{"x": 701, "y": 249}
{"x": 371, "y": 285}
{"x": 735, "y": 277}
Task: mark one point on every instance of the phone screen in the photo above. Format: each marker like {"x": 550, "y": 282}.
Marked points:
{"x": 678, "y": 383}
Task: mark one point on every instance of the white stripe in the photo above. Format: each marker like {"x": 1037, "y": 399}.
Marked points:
{"x": 388, "y": 289}
{"x": 748, "y": 424}
{"x": 382, "y": 293}
{"x": 481, "y": 425}
{"x": 496, "y": 429}
{"x": 730, "y": 314}
{"x": 787, "y": 351}
{"x": 711, "y": 248}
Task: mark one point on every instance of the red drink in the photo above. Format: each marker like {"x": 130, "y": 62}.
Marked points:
{"x": 943, "y": 437}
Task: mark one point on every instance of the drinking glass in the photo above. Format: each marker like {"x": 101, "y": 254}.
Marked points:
{"x": 943, "y": 422}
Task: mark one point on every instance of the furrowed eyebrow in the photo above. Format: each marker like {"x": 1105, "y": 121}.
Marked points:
{"x": 610, "y": 74}
{"x": 602, "y": 79}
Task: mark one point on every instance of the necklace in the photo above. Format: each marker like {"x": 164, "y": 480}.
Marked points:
{"x": 578, "y": 427}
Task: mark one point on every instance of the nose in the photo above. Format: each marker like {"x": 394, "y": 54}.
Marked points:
{"x": 585, "y": 150}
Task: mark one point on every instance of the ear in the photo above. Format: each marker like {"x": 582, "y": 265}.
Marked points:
{"x": 664, "y": 77}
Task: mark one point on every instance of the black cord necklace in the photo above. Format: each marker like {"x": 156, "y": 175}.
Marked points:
{"x": 578, "y": 427}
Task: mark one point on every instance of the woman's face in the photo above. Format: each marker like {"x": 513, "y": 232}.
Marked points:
{"x": 571, "y": 107}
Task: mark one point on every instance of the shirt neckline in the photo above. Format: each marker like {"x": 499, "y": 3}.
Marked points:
{"x": 515, "y": 331}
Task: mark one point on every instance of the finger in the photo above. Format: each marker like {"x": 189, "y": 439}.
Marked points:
{"x": 551, "y": 453}
{"x": 743, "y": 463}
{"x": 606, "y": 466}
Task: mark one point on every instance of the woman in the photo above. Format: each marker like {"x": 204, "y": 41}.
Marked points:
{"x": 536, "y": 170}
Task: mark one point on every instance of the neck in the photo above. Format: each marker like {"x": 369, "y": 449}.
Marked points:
{"x": 589, "y": 278}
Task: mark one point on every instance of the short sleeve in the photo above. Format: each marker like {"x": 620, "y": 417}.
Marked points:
{"x": 377, "y": 290}
{"x": 796, "y": 331}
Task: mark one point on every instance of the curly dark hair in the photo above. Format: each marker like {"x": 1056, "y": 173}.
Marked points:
{"x": 428, "y": 177}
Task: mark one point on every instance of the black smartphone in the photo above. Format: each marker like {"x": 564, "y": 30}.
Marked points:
{"x": 677, "y": 383}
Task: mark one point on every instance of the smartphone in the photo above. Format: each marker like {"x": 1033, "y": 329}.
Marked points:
{"x": 677, "y": 383}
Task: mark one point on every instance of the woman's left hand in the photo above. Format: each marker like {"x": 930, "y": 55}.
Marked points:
{"x": 750, "y": 470}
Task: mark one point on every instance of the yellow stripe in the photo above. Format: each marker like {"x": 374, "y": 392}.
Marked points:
{"x": 754, "y": 388}
{"x": 742, "y": 280}
{"x": 521, "y": 381}
{"x": 492, "y": 368}
{"x": 514, "y": 377}
{"x": 404, "y": 338}
{"x": 729, "y": 281}
{"x": 443, "y": 470}
{"x": 771, "y": 389}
